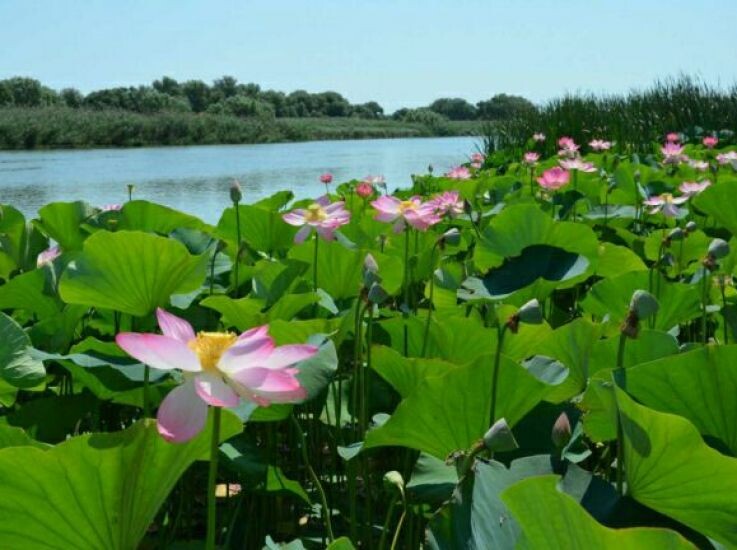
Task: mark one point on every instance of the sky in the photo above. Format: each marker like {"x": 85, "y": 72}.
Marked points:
{"x": 397, "y": 52}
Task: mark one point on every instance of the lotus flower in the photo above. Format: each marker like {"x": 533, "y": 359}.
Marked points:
{"x": 322, "y": 215}
{"x": 111, "y": 207}
{"x": 600, "y": 145}
{"x": 478, "y": 157}
{"x": 710, "y": 142}
{"x": 554, "y": 178}
{"x": 692, "y": 188}
{"x": 530, "y": 158}
{"x": 458, "y": 173}
{"x": 700, "y": 165}
{"x": 364, "y": 189}
{"x": 412, "y": 211}
{"x": 538, "y": 137}
{"x": 577, "y": 164}
{"x": 568, "y": 147}
{"x": 448, "y": 203}
{"x": 219, "y": 369}
{"x": 48, "y": 256}
{"x": 667, "y": 204}
{"x": 726, "y": 158}
{"x": 326, "y": 178}
{"x": 673, "y": 137}
{"x": 672, "y": 152}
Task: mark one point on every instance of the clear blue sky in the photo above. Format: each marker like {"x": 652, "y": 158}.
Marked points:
{"x": 398, "y": 52}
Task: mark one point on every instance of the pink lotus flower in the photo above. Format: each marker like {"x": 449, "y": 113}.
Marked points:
{"x": 667, "y": 204}
{"x": 322, "y": 215}
{"x": 326, "y": 178}
{"x": 530, "y": 158}
{"x": 458, "y": 173}
{"x": 364, "y": 189}
{"x": 449, "y": 203}
{"x": 710, "y": 142}
{"x": 538, "y": 137}
{"x": 478, "y": 157}
{"x": 554, "y": 178}
{"x": 568, "y": 147}
{"x": 726, "y": 158}
{"x": 672, "y": 152}
{"x": 412, "y": 211}
{"x": 700, "y": 165}
{"x": 690, "y": 189}
{"x": 673, "y": 137}
{"x": 48, "y": 256}
{"x": 219, "y": 369}
{"x": 476, "y": 165}
{"x": 111, "y": 207}
{"x": 577, "y": 164}
{"x": 600, "y": 145}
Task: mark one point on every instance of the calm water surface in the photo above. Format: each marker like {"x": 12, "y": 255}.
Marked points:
{"x": 196, "y": 179}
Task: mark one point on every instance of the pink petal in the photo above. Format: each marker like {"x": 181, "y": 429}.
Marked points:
{"x": 159, "y": 352}
{"x": 326, "y": 233}
{"x": 295, "y": 217}
{"x": 302, "y": 234}
{"x": 654, "y": 201}
{"x": 323, "y": 201}
{"x": 252, "y": 348}
{"x": 214, "y": 391}
{"x": 284, "y": 356}
{"x": 182, "y": 414}
{"x": 174, "y": 327}
{"x": 279, "y": 386}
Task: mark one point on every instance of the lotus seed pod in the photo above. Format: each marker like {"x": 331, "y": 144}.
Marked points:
{"x": 236, "y": 194}
{"x": 394, "y": 480}
{"x": 531, "y": 313}
{"x": 691, "y": 226}
{"x": 675, "y": 234}
{"x": 561, "y": 433}
{"x": 499, "y": 438}
{"x": 643, "y": 304}
{"x": 718, "y": 248}
{"x": 451, "y": 237}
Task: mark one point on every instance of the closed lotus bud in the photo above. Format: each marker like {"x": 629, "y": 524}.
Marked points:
{"x": 691, "y": 226}
{"x": 643, "y": 304}
{"x": 394, "y": 480}
{"x": 718, "y": 248}
{"x": 499, "y": 438}
{"x": 370, "y": 271}
{"x": 377, "y": 294}
{"x": 451, "y": 237}
{"x": 561, "y": 433}
{"x": 369, "y": 264}
{"x": 236, "y": 194}
{"x": 531, "y": 313}
{"x": 675, "y": 234}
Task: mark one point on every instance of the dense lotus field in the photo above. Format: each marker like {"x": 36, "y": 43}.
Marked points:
{"x": 535, "y": 353}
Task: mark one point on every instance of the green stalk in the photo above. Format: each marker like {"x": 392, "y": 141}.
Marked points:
{"x": 212, "y": 480}
{"x": 237, "y": 248}
{"x": 724, "y": 305}
{"x": 704, "y": 292}
{"x": 426, "y": 333}
{"x": 406, "y": 288}
{"x": 620, "y": 432}
{"x": 399, "y": 528}
{"x": 387, "y": 521}
{"x": 365, "y": 391}
{"x": 495, "y": 377}
{"x": 315, "y": 479}
{"x": 314, "y": 264}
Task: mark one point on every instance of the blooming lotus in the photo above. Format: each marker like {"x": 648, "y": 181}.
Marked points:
{"x": 690, "y": 189}
{"x": 726, "y": 158}
{"x": 401, "y": 212}
{"x": 538, "y": 136}
{"x": 458, "y": 173}
{"x": 568, "y": 147}
{"x": 577, "y": 164}
{"x": 554, "y": 178}
{"x": 673, "y": 137}
{"x": 48, "y": 256}
{"x": 326, "y": 178}
{"x": 600, "y": 145}
{"x": 530, "y": 158}
{"x": 478, "y": 157}
{"x": 672, "y": 152}
{"x": 322, "y": 215}
{"x": 710, "y": 142}
{"x": 700, "y": 165}
{"x": 219, "y": 368}
{"x": 448, "y": 203}
{"x": 667, "y": 204}
{"x": 364, "y": 189}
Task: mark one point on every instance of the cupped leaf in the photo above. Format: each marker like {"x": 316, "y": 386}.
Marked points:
{"x": 17, "y": 366}
{"x": 154, "y": 218}
{"x": 131, "y": 272}
{"x": 95, "y": 490}
{"x": 717, "y": 201}
{"x": 339, "y": 269}
{"x": 27, "y": 291}
{"x": 261, "y": 227}
{"x": 62, "y": 221}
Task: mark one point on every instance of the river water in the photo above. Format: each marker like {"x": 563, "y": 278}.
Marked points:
{"x": 195, "y": 179}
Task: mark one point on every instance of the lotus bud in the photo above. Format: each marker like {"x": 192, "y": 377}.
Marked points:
{"x": 718, "y": 248}
{"x": 377, "y": 294}
{"x": 130, "y": 188}
{"x": 691, "y": 226}
{"x": 675, "y": 234}
{"x": 643, "y": 304}
{"x": 370, "y": 271}
{"x": 236, "y": 194}
{"x": 561, "y": 433}
{"x": 394, "y": 481}
{"x": 451, "y": 237}
{"x": 499, "y": 438}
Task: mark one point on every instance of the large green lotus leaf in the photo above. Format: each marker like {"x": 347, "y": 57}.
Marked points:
{"x": 610, "y": 298}
{"x": 339, "y": 269}
{"x": 699, "y": 385}
{"x": 246, "y": 313}
{"x": 11, "y": 436}
{"x": 615, "y": 260}
{"x": 20, "y": 243}
{"x": 62, "y": 221}
{"x": 27, "y": 291}
{"x": 155, "y": 218}
{"x": 648, "y": 346}
{"x": 131, "y": 271}
{"x": 549, "y": 518}
{"x": 17, "y": 366}
{"x": 272, "y": 279}
{"x": 670, "y": 469}
{"x": 406, "y": 374}
{"x": 261, "y": 227}
{"x": 95, "y": 490}
{"x": 448, "y": 413}
{"x": 717, "y": 201}
{"x": 432, "y": 480}
{"x": 600, "y": 408}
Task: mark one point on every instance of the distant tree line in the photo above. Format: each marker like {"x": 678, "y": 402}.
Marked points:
{"x": 226, "y": 96}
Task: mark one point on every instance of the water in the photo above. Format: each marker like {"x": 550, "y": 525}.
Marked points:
{"x": 196, "y": 179}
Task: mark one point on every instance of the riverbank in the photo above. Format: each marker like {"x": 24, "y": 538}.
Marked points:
{"x": 65, "y": 128}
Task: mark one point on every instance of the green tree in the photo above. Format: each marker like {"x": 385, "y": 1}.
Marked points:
{"x": 198, "y": 95}
{"x": 455, "y": 108}
{"x": 505, "y": 107}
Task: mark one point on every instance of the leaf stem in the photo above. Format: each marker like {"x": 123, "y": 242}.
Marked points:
{"x": 495, "y": 377}
{"x": 212, "y": 480}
